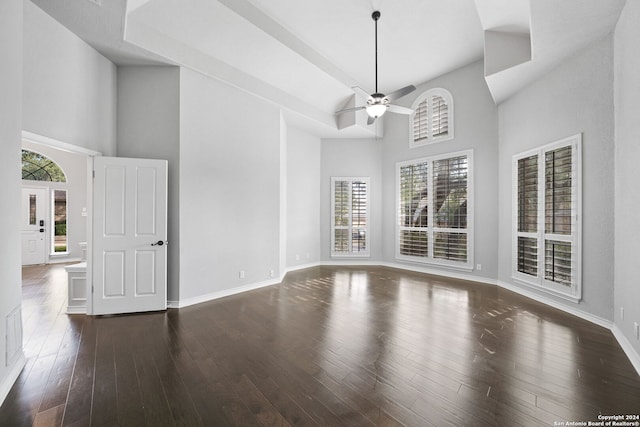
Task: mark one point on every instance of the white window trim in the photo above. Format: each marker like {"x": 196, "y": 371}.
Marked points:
{"x": 367, "y": 252}
{"x": 574, "y": 293}
{"x": 467, "y": 266}
{"x": 431, "y": 140}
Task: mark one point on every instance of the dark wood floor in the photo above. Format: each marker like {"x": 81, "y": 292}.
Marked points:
{"x": 330, "y": 346}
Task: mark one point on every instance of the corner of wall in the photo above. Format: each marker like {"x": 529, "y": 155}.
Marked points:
{"x": 632, "y": 354}
{"x": 11, "y": 103}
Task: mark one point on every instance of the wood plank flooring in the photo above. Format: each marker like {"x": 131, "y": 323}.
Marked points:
{"x": 330, "y": 346}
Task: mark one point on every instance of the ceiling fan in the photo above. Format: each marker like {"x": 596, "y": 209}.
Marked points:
{"x": 379, "y": 103}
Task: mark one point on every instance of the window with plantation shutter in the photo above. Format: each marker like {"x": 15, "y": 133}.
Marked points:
{"x": 547, "y": 217}
{"x": 349, "y": 217}
{"x": 528, "y": 215}
{"x": 434, "y": 215}
{"x": 432, "y": 120}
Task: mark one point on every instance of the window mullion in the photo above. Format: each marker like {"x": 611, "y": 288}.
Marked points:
{"x": 541, "y": 218}
{"x": 350, "y": 205}
{"x": 430, "y": 208}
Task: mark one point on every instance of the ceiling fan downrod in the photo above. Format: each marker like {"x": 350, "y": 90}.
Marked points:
{"x": 376, "y": 15}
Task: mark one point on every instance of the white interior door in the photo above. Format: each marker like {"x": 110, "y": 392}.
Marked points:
{"x": 129, "y": 262}
{"x": 33, "y": 225}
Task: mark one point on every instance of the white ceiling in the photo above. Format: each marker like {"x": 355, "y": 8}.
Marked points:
{"x": 306, "y": 55}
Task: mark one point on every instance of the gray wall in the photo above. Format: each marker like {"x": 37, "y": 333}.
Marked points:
{"x": 55, "y": 85}
{"x": 351, "y": 158}
{"x": 576, "y": 97}
{"x": 627, "y": 153}
{"x": 476, "y": 128}
{"x": 303, "y": 199}
{"x": 229, "y": 187}
{"x": 75, "y": 168}
{"x": 69, "y": 88}
{"x": 10, "y": 134}
{"x": 149, "y": 127}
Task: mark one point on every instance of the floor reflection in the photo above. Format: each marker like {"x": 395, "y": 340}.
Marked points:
{"x": 328, "y": 346}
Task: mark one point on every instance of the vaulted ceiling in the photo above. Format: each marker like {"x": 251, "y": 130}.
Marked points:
{"x": 305, "y": 56}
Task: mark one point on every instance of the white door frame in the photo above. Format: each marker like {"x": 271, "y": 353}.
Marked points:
{"x": 50, "y": 142}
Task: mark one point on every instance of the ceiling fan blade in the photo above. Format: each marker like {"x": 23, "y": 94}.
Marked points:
{"x": 370, "y": 120}
{"x": 401, "y": 92}
{"x": 361, "y": 92}
{"x": 350, "y": 109}
{"x": 398, "y": 109}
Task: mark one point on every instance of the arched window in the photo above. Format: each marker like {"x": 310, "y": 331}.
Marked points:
{"x": 432, "y": 120}
{"x": 36, "y": 167}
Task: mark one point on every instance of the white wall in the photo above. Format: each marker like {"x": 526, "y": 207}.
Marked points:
{"x": 229, "y": 188}
{"x": 576, "y": 97}
{"x": 10, "y": 135}
{"x": 303, "y": 198}
{"x": 69, "y": 88}
{"x": 149, "y": 127}
{"x": 476, "y": 128}
{"x": 351, "y": 158}
{"x": 627, "y": 153}
{"x": 75, "y": 168}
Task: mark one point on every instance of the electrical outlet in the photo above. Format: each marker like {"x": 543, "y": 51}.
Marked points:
{"x": 621, "y": 313}
{"x": 241, "y": 274}
{"x": 479, "y": 267}
{"x": 635, "y": 324}
{"x": 272, "y": 273}
{"x": 297, "y": 257}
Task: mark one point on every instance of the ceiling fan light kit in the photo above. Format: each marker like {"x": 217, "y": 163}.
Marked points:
{"x": 379, "y": 103}
{"x": 376, "y": 110}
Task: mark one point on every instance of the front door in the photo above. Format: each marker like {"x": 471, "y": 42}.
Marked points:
{"x": 33, "y": 225}
{"x": 129, "y": 262}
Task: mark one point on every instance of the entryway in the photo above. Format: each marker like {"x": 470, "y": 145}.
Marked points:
{"x": 33, "y": 223}
{"x": 54, "y": 204}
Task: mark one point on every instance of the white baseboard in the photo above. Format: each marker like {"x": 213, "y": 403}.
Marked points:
{"x": 221, "y": 294}
{"x": 628, "y": 349}
{"x": 600, "y": 321}
{"x": 352, "y": 262}
{"x": 300, "y": 267}
{"x": 10, "y": 379}
{"x": 438, "y": 272}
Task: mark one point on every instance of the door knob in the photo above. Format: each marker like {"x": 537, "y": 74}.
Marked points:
{"x": 160, "y": 243}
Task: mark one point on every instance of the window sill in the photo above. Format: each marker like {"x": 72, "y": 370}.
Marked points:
{"x": 468, "y": 266}
{"x": 536, "y": 286}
